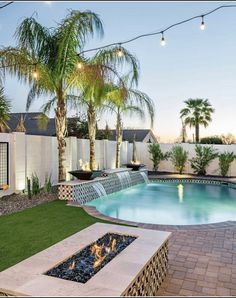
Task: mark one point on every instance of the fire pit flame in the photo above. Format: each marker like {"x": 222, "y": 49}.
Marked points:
{"x": 72, "y": 265}
{"x": 98, "y": 252}
{"x": 107, "y": 249}
{"x": 98, "y": 262}
{"x": 113, "y": 245}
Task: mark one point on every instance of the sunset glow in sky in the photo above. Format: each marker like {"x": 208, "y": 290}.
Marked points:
{"x": 193, "y": 64}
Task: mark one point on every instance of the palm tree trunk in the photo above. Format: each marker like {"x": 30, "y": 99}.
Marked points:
{"x": 61, "y": 130}
{"x": 118, "y": 139}
{"x": 197, "y": 132}
{"x": 92, "y": 134}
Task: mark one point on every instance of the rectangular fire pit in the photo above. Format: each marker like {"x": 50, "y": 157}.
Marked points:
{"x": 102, "y": 260}
{"x": 86, "y": 263}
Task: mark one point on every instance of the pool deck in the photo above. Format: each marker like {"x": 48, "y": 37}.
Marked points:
{"x": 202, "y": 258}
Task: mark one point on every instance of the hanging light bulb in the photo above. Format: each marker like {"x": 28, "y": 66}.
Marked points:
{"x": 79, "y": 65}
{"x": 202, "y": 27}
{"x": 35, "y": 73}
{"x": 163, "y": 42}
{"x": 120, "y": 52}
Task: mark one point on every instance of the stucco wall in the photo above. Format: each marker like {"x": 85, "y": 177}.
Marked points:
{"x": 39, "y": 154}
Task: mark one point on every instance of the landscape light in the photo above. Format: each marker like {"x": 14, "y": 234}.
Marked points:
{"x": 163, "y": 42}
{"x": 202, "y": 27}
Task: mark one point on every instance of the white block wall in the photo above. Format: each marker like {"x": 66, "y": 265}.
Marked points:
{"x": 39, "y": 154}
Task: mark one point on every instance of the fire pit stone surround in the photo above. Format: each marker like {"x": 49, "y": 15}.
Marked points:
{"x": 139, "y": 269}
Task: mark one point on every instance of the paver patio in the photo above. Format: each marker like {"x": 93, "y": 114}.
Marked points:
{"x": 201, "y": 262}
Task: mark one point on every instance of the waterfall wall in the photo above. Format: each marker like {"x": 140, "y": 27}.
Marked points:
{"x": 85, "y": 191}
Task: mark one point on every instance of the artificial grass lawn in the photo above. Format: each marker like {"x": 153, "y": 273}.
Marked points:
{"x": 27, "y": 232}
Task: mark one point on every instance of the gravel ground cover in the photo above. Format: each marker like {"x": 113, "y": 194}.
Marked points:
{"x": 18, "y": 202}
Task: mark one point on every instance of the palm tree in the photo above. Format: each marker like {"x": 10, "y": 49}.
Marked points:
{"x": 99, "y": 71}
{"x": 5, "y": 107}
{"x": 197, "y": 112}
{"x": 123, "y": 99}
{"x": 94, "y": 96}
{"x": 47, "y": 59}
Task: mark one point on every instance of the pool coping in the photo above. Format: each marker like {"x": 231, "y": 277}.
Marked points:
{"x": 92, "y": 211}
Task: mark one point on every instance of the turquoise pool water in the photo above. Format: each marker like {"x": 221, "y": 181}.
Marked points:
{"x": 171, "y": 203}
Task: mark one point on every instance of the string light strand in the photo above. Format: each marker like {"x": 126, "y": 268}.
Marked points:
{"x": 201, "y": 16}
{"x": 5, "y": 5}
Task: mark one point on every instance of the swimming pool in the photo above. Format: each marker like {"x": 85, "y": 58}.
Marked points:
{"x": 170, "y": 203}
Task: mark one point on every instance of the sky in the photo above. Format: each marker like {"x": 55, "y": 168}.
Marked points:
{"x": 193, "y": 64}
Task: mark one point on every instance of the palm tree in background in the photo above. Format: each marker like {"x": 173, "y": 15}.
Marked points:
{"x": 47, "y": 60}
{"x": 5, "y": 108}
{"x": 124, "y": 99}
{"x": 196, "y": 113}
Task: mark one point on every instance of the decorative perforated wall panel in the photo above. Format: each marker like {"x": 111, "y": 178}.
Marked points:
{"x": 4, "y": 167}
{"x": 151, "y": 277}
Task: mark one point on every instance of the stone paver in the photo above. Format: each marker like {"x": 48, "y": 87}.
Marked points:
{"x": 200, "y": 270}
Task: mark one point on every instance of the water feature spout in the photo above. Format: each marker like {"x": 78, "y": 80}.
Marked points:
{"x": 145, "y": 177}
{"x": 125, "y": 179}
{"x": 99, "y": 188}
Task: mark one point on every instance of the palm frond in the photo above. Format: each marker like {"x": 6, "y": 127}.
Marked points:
{"x": 34, "y": 38}
{"x": 71, "y": 101}
{"x": 144, "y": 101}
{"x": 48, "y": 106}
{"x": 72, "y": 34}
{"x": 5, "y": 107}
{"x": 110, "y": 58}
{"x": 134, "y": 110}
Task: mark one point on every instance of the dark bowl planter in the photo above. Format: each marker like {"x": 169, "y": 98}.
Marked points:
{"x": 85, "y": 175}
{"x": 96, "y": 173}
{"x": 135, "y": 167}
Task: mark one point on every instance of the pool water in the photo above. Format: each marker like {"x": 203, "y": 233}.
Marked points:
{"x": 170, "y": 203}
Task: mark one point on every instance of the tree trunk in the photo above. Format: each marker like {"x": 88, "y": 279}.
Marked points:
{"x": 92, "y": 134}
{"x": 118, "y": 139}
{"x": 61, "y": 129}
{"x": 197, "y": 133}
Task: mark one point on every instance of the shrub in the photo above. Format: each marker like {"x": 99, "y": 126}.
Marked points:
{"x": 35, "y": 184}
{"x": 157, "y": 155}
{"x": 211, "y": 140}
{"x": 179, "y": 158}
{"x": 204, "y": 155}
{"x": 48, "y": 184}
{"x": 225, "y": 159}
